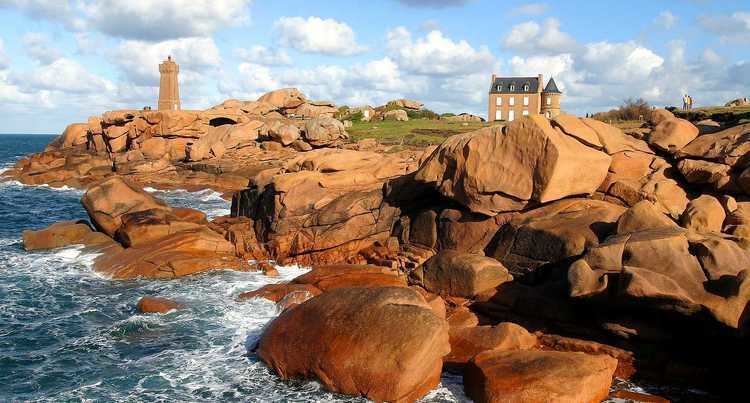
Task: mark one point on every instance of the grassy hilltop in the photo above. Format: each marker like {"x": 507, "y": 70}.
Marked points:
{"x": 415, "y": 132}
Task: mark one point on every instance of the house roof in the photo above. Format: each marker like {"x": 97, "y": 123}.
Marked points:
{"x": 551, "y": 87}
{"x": 501, "y": 85}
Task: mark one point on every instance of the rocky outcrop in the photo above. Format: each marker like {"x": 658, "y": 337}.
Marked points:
{"x": 62, "y": 234}
{"x": 459, "y": 274}
{"x": 213, "y": 148}
{"x": 331, "y": 277}
{"x": 406, "y": 104}
{"x": 718, "y": 160}
{"x": 109, "y": 200}
{"x": 464, "y": 117}
{"x": 532, "y": 163}
{"x": 325, "y": 131}
{"x": 398, "y": 115}
{"x": 326, "y": 205}
{"x": 657, "y": 267}
{"x": 538, "y": 376}
{"x": 467, "y": 342}
{"x": 671, "y": 135}
{"x": 553, "y": 233}
{"x": 156, "y": 305}
{"x": 382, "y": 343}
{"x": 704, "y": 214}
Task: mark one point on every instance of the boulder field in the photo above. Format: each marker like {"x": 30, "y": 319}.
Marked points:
{"x": 540, "y": 259}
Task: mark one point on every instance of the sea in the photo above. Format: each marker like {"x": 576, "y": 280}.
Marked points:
{"x": 68, "y": 334}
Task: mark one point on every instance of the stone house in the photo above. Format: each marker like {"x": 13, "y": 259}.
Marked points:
{"x": 513, "y": 97}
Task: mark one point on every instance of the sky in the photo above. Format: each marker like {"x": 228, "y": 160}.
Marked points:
{"x": 63, "y": 61}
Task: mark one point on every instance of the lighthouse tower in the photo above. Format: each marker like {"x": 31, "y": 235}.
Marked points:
{"x": 169, "y": 90}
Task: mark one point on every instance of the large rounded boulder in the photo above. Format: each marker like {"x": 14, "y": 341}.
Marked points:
{"x": 460, "y": 274}
{"x": 509, "y": 168}
{"x": 107, "y": 201}
{"x": 385, "y": 343}
{"x": 324, "y": 131}
{"x": 539, "y": 376}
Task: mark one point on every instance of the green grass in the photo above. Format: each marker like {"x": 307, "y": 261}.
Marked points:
{"x": 416, "y": 132}
{"x": 722, "y": 114}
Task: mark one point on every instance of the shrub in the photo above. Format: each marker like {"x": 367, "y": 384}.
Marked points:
{"x": 422, "y": 114}
{"x": 356, "y": 116}
{"x": 631, "y": 109}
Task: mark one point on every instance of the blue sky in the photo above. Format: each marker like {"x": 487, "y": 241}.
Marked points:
{"x": 62, "y": 61}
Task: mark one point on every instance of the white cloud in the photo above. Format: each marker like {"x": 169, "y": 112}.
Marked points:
{"x": 264, "y": 56}
{"x": 530, "y": 9}
{"x": 49, "y": 9}
{"x": 38, "y": 48}
{"x": 139, "y": 60}
{"x": 317, "y": 35}
{"x": 666, "y": 19}
{"x": 435, "y": 3}
{"x": 532, "y": 38}
{"x": 730, "y": 28}
{"x": 4, "y": 59}
{"x": 740, "y": 73}
{"x": 253, "y": 81}
{"x": 620, "y": 62}
{"x": 139, "y": 19}
{"x": 165, "y": 19}
{"x": 711, "y": 57}
{"x": 435, "y": 54}
{"x": 63, "y": 75}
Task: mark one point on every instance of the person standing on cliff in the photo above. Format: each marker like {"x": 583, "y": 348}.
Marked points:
{"x": 684, "y": 102}
{"x": 690, "y": 102}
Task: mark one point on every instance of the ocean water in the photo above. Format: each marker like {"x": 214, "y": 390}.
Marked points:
{"x": 67, "y": 334}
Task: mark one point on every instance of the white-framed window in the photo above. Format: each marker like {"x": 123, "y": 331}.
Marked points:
{"x": 525, "y": 113}
{"x": 511, "y": 116}
{"x": 512, "y": 101}
{"x": 499, "y": 101}
{"x": 498, "y": 115}
{"x": 499, "y": 88}
{"x": 526, "y": 88}
{"x": 525, "y": 101}
{"x": 549, "y": 101}
{"x": 512, "y": 87}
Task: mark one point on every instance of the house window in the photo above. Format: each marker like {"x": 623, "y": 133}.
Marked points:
{"x": 512, "y": 87}
{"x": 525, "y": 113}
{"x": 499, "y": 101}
{"x": 498, "y": 115}
{"x": 525, "y": 101}
{"x": 511, "y": 116}
{"x": 499, "y": 88}
{"x": 526, "y": 87}
{"x": 512, "y": 101}
{"x": 549, "y": 101}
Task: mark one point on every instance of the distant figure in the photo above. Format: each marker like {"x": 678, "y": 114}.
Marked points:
{"x": 685, "y": 102}
{"x": 690, "y": 102}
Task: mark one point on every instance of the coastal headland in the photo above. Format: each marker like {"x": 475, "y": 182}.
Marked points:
{"x": 542, "y": 259}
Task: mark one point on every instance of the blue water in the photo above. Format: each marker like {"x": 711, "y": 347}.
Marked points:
{"x": 67, "y": 334}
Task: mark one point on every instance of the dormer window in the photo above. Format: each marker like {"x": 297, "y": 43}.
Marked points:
{"x": 526, "y": 87}
{"x": 499, "y": 87}
{"x": 512, "y": 87}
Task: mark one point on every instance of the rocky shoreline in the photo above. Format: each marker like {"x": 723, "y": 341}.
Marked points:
{"x": 540, "y": 260}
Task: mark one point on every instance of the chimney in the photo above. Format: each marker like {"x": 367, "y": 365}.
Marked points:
{"x": 493, "y": 79}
